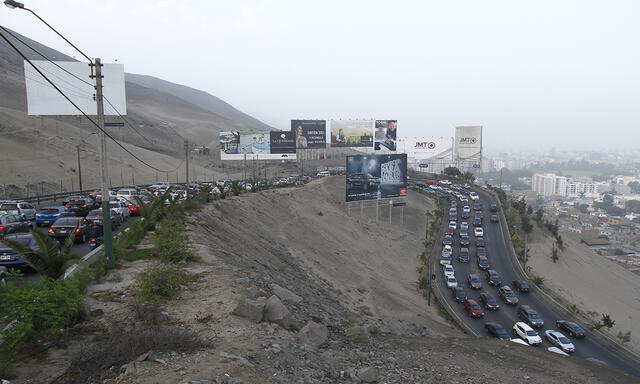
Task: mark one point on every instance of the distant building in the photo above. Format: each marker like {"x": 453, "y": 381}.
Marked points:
{"x": 548, "y": 185}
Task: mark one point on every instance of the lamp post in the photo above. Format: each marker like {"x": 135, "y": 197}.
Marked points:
{"x": 96, "y": 74}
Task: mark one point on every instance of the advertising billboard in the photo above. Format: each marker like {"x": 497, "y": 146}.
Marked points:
{"x": 386, "y": 134}
{"x": 468, "y": 144}
{"x": 257, "y": 145}
{"x": 310, "y": 133}
{"x": 43, "y": 99}
{"x": 352, "y": 133}
{"x": 373, "y": 177}
{"x": 425, "y": 148}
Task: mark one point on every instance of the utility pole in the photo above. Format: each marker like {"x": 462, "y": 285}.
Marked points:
{"x": 186, "y": 161}
{"x": 102, "y": 148}
{"x": 79, "y": 167}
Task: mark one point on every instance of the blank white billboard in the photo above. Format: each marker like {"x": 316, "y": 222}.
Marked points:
{"x": 43, "y": 99}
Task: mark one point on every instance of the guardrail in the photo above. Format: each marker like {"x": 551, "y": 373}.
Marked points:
{"x": 85, "y": 262}
{"x": 60, "y": 195}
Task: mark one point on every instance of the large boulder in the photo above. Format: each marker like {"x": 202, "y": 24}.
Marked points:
{"x": 250, "y": 309}
{"x": 313, "y": 334}
{"x": 357, "y": 334}
{"x": 276, "y": 312}
{"x": 285, "y": 295}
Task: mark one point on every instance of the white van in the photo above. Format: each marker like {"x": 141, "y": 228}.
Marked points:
{"x": 127, "y": 193}
{"x": 323, "y": 173}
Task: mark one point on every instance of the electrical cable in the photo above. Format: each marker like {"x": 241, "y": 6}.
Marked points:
{"x": 78, "y": 108}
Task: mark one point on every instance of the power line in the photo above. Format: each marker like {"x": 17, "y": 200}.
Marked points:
{"x": 84, "y": 81}
{"x": 78, "y": 108}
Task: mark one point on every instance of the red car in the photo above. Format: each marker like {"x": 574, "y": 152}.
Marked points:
{"x": 133, "y": 210}
{"x": 474, "y": 309}
{"x": 449, "y": 232}
{"x": 494, "y": 218}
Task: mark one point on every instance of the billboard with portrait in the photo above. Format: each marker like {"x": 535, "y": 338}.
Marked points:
{"x": 352, "y": 133}
{"x": 256, "y": 145}
{"x": 310, "y": 133}
{"x": 386, "y": 135}
{"x": 373, "y": 177}
{"x": 468, "y": 144}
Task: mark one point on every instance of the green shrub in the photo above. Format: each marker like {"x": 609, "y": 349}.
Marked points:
{"x": 36, "y": 310}
{"x": 171, "y": 244}
{"x": 47, "y": 259}
{"x": 160, "y": 283}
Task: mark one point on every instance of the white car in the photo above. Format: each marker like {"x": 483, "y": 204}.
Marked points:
{"x": 19, "y": 208}
{"x": 445, "y": 260}
{"x": 453, "y": 225}
{"x": 449, "y": 271}
{"x": 464, "y": 199}
{"x": 466, "y": 209}
{"x": 526, "y": 333}
{"x": 121, "y": 207}
{"x": 447, "y": 251}
{"x": 478, "y": 232}
{"x": 445, "y": 182}
{"x": 127, "y": 193}
{"x": 474, "y": 196}
{"x": 559, "y": 340}
{"x": 452, "y": 282}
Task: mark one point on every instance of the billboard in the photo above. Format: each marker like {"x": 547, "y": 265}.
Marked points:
{"x": 425, "y": 148}
{"x": 43, "y": 99}
{"x": 352, "y": 133}
{"x": 386, "y": 134}
{"x": 310, "y": 133}
{"x": 257, "y": 145}
{"x": 372, "y": 177}
{"x": 468, "y": 144}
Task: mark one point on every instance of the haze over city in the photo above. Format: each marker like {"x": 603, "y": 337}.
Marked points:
{"x": 535, "y": 75}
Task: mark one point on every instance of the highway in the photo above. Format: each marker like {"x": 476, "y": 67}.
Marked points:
{"x": 502, "y": 261}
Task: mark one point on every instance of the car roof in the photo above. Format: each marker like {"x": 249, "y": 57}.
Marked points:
{"x": 554, "y": 332}
{"x": 524, "y": 326}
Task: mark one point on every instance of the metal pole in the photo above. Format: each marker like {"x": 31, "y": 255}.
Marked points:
{"x": 104, "y": 173}
{"x": 377, "y": 209}
{"x": 186, "y": 155}
{"x": 390, "y": 209}
{"x": 244, "y": 172}
{"x": 361, "y": 208}
{"x": 79, "y": 168}
{"x": 402, "y": 216}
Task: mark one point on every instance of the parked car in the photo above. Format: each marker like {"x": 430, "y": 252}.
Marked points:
{"x": 8, "y": 257}
{"x": 474, "y": 281}
{"x": 508, "y": 295}
{"x": 20, "y": 208}
{"x": 464, "y": 255}
{"x": 447, "y": 251}
{"x": 521, "y": 286}
{"x": 530, "y": 316}
{"x": 474, "y": 309}
{"x": 559, "y": 340}
{"x": 447, "y": 240}
{"x": 497, "y": 331}
{"x": 494, "y": 278}
{"x": 572, "y": 328}
{"x": 464, "y": 241}
{"x": 489, "y": 301}
{"x": 459, "y": 294}
{"x": 448, "y": 270}
{"x": 48, "y": 215}
{"x": 451, "y": 282}
{"x": 445, "y": 260}
{"x": 66, "y": 226}
{"x": 11, "y": 223}
{"x": 526, "y": 333}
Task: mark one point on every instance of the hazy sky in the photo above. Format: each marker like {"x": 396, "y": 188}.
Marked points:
{"x": 536, "y": 73}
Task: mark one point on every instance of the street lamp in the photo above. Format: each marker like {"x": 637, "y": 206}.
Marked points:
{"x": 13, "y": 4}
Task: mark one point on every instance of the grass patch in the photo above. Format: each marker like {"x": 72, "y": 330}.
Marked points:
{"x": 160, "y": 283}
{"x": 139, "y": 254}
{"x": 171, "y": 244}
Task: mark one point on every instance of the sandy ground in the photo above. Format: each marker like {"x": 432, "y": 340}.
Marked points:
{"x": 589, "y": 280}
{"x": 348, "y": 270}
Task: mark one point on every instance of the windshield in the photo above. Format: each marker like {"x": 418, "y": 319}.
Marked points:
{"x": 24, "y": 240}
{"x": 532, "y": 333}
{"x": 48, "y": 211}
{"x": 8, "y": 207}
{"x": 66, "y": 221}
{"x": 476, "y": 307}
{"x": 564, "y": 340}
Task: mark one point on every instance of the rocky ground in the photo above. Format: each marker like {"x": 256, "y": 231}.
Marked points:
{"x": 291, "y": 289}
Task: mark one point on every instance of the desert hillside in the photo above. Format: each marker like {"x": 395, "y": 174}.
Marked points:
{"x": 41, "y": 150}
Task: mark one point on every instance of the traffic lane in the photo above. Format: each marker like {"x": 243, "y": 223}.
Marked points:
{"x": 586, "y": 347}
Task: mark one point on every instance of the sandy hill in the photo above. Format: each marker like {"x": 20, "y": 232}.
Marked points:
{"x": 41, "y": 150}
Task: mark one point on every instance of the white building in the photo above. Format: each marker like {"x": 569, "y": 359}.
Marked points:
{"x": 586, "y": 188}
{"x": 548, "y": 185}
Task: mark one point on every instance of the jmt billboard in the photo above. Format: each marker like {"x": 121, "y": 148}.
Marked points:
{"x": 424, "y": 148}
{"x": 310, "y": 133}
{"x": 373, "y": 177}
{"x": 468, "y": 143}
{"x": 260, "y": 145}
{"x": 352, "y": 133}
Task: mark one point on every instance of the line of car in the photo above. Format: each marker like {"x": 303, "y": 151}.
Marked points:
{"x": 528, "y": 317}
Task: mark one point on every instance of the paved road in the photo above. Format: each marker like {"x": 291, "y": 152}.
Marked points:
{"x": 501, "y": 261}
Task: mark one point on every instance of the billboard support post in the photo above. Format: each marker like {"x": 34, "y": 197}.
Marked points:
{"x": 361, "y": 208}
{"x": 390, "y": 210}
{"x": 402, "y": 216}
{"x": 244, "y": 172}
{"x": 377, "y": 209}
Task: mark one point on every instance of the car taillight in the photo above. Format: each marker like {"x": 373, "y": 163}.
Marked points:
{"x": 50, "y": 230}
{"x": 1, "y": 227}
{"x": 77, "y": 230}
{"x": 84, "y": 205}
{"x": 92, "y": 240}
{"x": 68, "y": 205}
{"x": 37, "y": 214}
{"x": 57, "y": 214}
